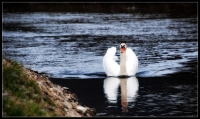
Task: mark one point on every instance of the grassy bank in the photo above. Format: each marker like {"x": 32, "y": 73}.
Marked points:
{"x": 21, "y": 95}
{"x": 29, "y": 93}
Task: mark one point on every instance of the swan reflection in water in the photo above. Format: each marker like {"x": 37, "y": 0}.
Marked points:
{"x": 128, "y": 87}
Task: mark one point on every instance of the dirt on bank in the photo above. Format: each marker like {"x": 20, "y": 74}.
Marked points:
{"x": 66, "y": 103}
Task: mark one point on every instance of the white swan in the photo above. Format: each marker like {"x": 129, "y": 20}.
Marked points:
{"x": 128, "y": 62}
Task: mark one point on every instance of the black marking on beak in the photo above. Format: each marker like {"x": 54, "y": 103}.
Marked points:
{"x": 122, "y": 46}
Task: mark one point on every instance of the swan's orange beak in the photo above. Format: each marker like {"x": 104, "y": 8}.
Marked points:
{"x": 122, "y": 49}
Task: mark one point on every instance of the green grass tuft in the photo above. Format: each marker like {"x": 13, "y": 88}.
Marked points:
{"x": 24, "y": 98}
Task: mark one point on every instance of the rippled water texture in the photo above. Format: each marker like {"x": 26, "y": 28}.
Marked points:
{"x": 73, "y": 45}
{"x": 69, "y": 47}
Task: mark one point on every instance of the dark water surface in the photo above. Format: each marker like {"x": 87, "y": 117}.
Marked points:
{"x": 69, "y": 47}
{"x": 157, "y": 96}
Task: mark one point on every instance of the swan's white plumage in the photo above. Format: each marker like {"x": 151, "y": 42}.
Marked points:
{"x": 112, "y": 68}
{"x": 131, "y": 62}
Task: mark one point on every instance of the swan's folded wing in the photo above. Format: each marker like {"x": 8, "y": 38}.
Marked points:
{"x": 111, "y": 67}
{"x": 131, "y": 62}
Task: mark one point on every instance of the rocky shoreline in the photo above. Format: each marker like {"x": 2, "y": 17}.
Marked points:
{"x": 66, "y": 103}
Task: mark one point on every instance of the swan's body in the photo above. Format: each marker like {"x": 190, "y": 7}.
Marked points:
{"x": 128, "y": 62}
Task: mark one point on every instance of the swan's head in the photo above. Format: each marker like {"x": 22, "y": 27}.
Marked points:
{"x": 122, "y": 47}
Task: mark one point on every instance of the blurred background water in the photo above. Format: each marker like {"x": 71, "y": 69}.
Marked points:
{"x": 69, "y": 48}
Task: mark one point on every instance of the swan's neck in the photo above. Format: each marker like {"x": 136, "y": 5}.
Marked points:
{"x": 123, "y": 64}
